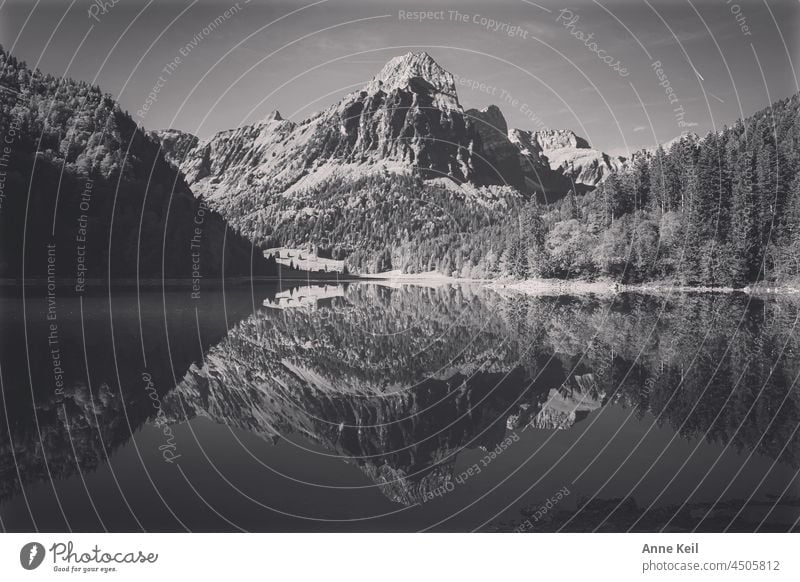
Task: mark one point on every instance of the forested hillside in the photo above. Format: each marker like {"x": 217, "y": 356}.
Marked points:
{"x": 361, "y": 219}
{"x": 84, "y": 189}
{"x": 723, "y": 210}
{"x": 395, "y": 164}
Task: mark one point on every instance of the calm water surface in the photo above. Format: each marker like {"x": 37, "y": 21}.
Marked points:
{"x": 369, "y": 407}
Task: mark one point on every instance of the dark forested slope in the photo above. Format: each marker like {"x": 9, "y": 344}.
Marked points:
{"x": 85, "y": 192}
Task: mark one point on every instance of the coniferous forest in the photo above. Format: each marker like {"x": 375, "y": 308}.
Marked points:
{"x": 723, "y": 210}
{"x": 81, "y": 177}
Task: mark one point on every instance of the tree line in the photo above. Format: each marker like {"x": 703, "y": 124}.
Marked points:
{"x": 722, "y": 210}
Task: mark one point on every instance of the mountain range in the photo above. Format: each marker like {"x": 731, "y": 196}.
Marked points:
{"x": 399, "y": 176}
{"x": 407, "y": 118}
{"x": 395, "y": 176}
{"x": 276, "y": 181}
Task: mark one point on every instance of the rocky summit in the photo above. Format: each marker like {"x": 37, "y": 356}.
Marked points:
{"x": 276, "y": 180}
{"x": 407, "y": 118}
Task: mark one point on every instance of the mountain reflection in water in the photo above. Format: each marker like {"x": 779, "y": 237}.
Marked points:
{"x": 661, "y": 399}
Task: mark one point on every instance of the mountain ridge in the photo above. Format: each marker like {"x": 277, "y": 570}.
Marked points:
{"x": 272, "y": 180}
{"x": 399, "y": 175}
{"x": 83, "y": 178}
{"x": 420, "y": 77}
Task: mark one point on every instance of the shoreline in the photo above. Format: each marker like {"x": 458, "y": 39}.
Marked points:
{"x": 608, "y": 287}
{"x": 525, "y": 286}
{"x": 150, "y": 283}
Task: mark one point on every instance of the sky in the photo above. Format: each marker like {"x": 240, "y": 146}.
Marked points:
{"x": 624, "y": 75}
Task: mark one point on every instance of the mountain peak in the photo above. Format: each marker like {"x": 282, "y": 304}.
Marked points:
{"x": 491, "y": 116}
{"x": 274, "y": 115}
{"x": 551, "y": 139}
{"x": 416, "y": 71}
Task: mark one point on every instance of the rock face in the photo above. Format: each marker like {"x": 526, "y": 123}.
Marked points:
{"x": 246, "y": 158}
{"x": 408, "y": 113}
{"x": 417, "y": 72}
{"x": 407, "y": 117}
{"x": 406, "y": 121}
{"x": 500, "y": 154}
{"x": 556, "y": 139}
{"x": 175, "y": 144}
{"x": 573, "y": 163}
{"x": 547, "y": 162}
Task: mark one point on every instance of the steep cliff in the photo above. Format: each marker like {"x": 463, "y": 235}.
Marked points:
{"x": 283, "y": 182}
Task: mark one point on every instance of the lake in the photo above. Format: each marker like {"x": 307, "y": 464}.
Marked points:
{"x": 375, "y": 407}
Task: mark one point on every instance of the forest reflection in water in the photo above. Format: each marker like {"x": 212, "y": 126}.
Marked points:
{"x": 453, "y": 407}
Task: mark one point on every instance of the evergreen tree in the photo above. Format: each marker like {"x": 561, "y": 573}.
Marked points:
{"x": 659, "y": 199}
{"x": 695, "y": 228}
{"x": 641, "y": 183}
{"x": 744, "y": 231}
